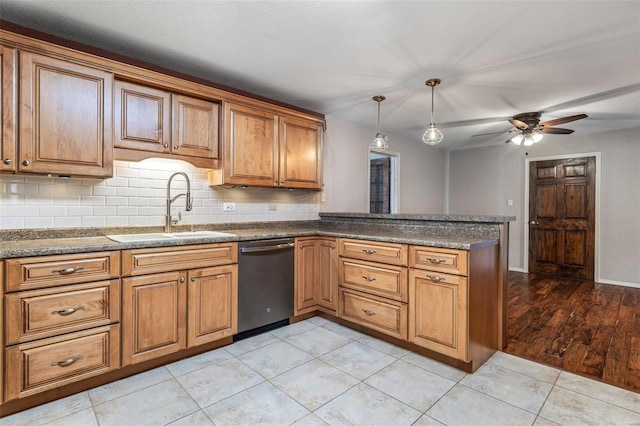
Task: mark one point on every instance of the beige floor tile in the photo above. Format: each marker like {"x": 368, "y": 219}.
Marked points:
{"x": 358, "y": 360}
{"x": 81, "y": 418}
{"x": 427, "y": 421}
{"x": 463, "y": 406}
{"x": 251, "y": 343}
{"x": 263, "y": 404}
{"x": 384, "y": 347}
{"x": 365, "y": 405}
{"x": 410, "y": 384}
{"x": 318, "y": 321}
{"x": 197, "y": 362}
{"x": 524, "y": 366}
{"x": 318, "y": 341}
{"x": 293, "y": 329}
{"x": 434, "y": 366}
{"x": 275, "y": 359}
{"x": 344, "y": 331}
{"x": 49, "y": 412}
{"x": 602, "y": 391}
{"x": 310, "y": 420}
{"x": 199, "y": 418}
{"x": 216, "y": 382}
{"x": 156, "y": 405}
{"x": 116, "y": 389}
{"x": 568, "y": 407}
{"x": 509, "y": 386}
{"x": 541, "y": 421}
{"x": 314, "y": 383}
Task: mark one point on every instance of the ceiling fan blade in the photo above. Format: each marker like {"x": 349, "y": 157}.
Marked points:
{"x": 508, "y": 140}
{"x": 563, "y": 120}
{"x": 492, "y": 133}
{"x": 519, "y": 124}
{"x": 556, "y": 131}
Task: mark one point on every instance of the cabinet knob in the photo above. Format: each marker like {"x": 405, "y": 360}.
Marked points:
{"x": 193, "y": 278}
{"x": 26, "y": 162}
{"x": 181, "y": 279}
{"x": 175, "y": 147}
{"x": 7, "y": 161}
{"x": 533, "y": 222}
{"x": 166, "y": 145}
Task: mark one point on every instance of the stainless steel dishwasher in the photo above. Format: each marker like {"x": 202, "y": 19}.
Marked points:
{"x": 265, "y": 285}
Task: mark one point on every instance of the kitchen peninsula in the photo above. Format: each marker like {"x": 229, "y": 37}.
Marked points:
{"x": 431, "y": 283}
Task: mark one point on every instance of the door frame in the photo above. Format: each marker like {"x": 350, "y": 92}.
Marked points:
{"x": 596, "y": 249}
{"x": 394, "y": 183}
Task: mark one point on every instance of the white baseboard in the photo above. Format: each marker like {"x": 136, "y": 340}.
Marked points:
{"x": 517, "y": 270}
{"x": 622, "y": 283}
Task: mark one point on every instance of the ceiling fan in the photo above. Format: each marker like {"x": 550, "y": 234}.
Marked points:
{"x": 529, "y": 130}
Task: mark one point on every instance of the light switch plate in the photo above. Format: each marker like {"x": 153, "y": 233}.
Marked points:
{"x": 227, "y": 207}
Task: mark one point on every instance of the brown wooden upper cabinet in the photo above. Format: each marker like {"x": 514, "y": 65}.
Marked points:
{"x": 65, "y": 117}
{"x": 8, "y": 109}
{"x": 264, "y": 149}
{"x": 156, "y": 121}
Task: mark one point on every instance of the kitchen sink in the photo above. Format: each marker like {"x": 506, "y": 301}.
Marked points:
{"x": 167, "y": 236}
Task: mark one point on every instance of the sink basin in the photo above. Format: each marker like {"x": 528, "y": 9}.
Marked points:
{"x": 166, "y": 236}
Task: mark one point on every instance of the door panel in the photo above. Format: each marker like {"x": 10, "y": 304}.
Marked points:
{"x": 562, "y": 213}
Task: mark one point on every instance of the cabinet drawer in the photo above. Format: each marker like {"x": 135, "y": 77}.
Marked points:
{"x": 43, "y": 313}
{"x": 394, "y": 254}
{"x": 49, "y": 363}
{"x": 443, "y": 260}
{"x": 379, "y": 279}
{"x": 147, "y": 261}
{"x": 383, "y": 315}
{"x": 48, "y": 271}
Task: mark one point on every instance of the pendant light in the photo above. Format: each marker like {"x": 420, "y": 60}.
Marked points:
{"x": 432, "y": 136}
{"x": 380, "y": 141}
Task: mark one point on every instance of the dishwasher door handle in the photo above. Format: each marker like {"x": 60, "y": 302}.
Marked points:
{"x": 266, "y": 248}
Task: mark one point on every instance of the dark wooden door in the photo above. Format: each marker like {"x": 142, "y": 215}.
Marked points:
{"x": 380, "y": 186}
{"x": 562, "y": 217}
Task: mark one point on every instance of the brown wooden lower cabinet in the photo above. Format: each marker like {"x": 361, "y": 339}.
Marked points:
{"x": 48, "y": 363}
{"x": 377, "y": 313}
{"x": 439, "y": 307}
{"x": 316, "y": 275}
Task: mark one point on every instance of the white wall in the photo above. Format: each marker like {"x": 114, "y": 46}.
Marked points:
{"x": 136, "y": 196}
{"x": 482, "y": 180}
{"x": 346, "y": 170}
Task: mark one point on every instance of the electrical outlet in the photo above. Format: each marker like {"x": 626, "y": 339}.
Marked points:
{"x": 272, "y": 207}
{"x": 323, "y": 197}
{"x": 227, "y": 207}
{"x": 510, "y": 203}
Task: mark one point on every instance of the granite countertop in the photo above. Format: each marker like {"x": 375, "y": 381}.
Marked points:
{"x": 29, "y": 245}
{"x": 422, "y": 217}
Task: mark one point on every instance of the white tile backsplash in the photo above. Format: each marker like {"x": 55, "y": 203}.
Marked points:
{"x": 135, "y": 196}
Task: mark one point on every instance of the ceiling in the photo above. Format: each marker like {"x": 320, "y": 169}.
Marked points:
{"x": 495, "y": 58}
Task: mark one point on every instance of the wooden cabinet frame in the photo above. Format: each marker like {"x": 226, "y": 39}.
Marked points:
{"x": 8, "y": 109}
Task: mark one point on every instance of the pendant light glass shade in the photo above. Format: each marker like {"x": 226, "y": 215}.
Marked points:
{"x": 527, "y": 138}
{"x": 433, "y": 135}
{"x": 380, "y": 141}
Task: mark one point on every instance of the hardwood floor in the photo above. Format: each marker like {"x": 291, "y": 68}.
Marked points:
{"x": 579, "y": 326}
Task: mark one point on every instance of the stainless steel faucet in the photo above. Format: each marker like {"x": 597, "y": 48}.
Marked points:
{"x": 188, "y": 201}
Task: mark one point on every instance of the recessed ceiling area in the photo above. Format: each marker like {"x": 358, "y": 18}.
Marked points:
{"x": 495, "y": 58}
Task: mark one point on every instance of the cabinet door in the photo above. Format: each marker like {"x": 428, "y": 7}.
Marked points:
{"x": 153, "y": 316}
{"x": 141, "y": 118}
{"x": 438, "y": 313}
{"x": 65, "y": 118}
{"x": 305, "y": 276}
{"x": 300, "y": 154}
{"x": 212, "y": 304}
{"x": 195, "y": 127}
{"x": 327, "y": 284}
{"x": 8, "y": 119}
{"x": 250, "y": 146}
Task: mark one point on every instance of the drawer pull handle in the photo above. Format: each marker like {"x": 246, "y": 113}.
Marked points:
{"x": 369, "y": 251}
{"x": 435, "y": 260}
{"x": 369, "y": 278}
{"x": 368, "y": 312}
{"x": 67, "y": 311}
{"x": 436, "y": 278}
{"x": 67, "y": 361}
{"x": 67, "y": 270}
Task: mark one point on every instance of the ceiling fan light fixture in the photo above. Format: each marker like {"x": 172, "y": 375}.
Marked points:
{"x": 380, "y": 141}
{"x": 433, "y": 135}
{"x": 517, "y": 139}
{"x": 537, "y": 137}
